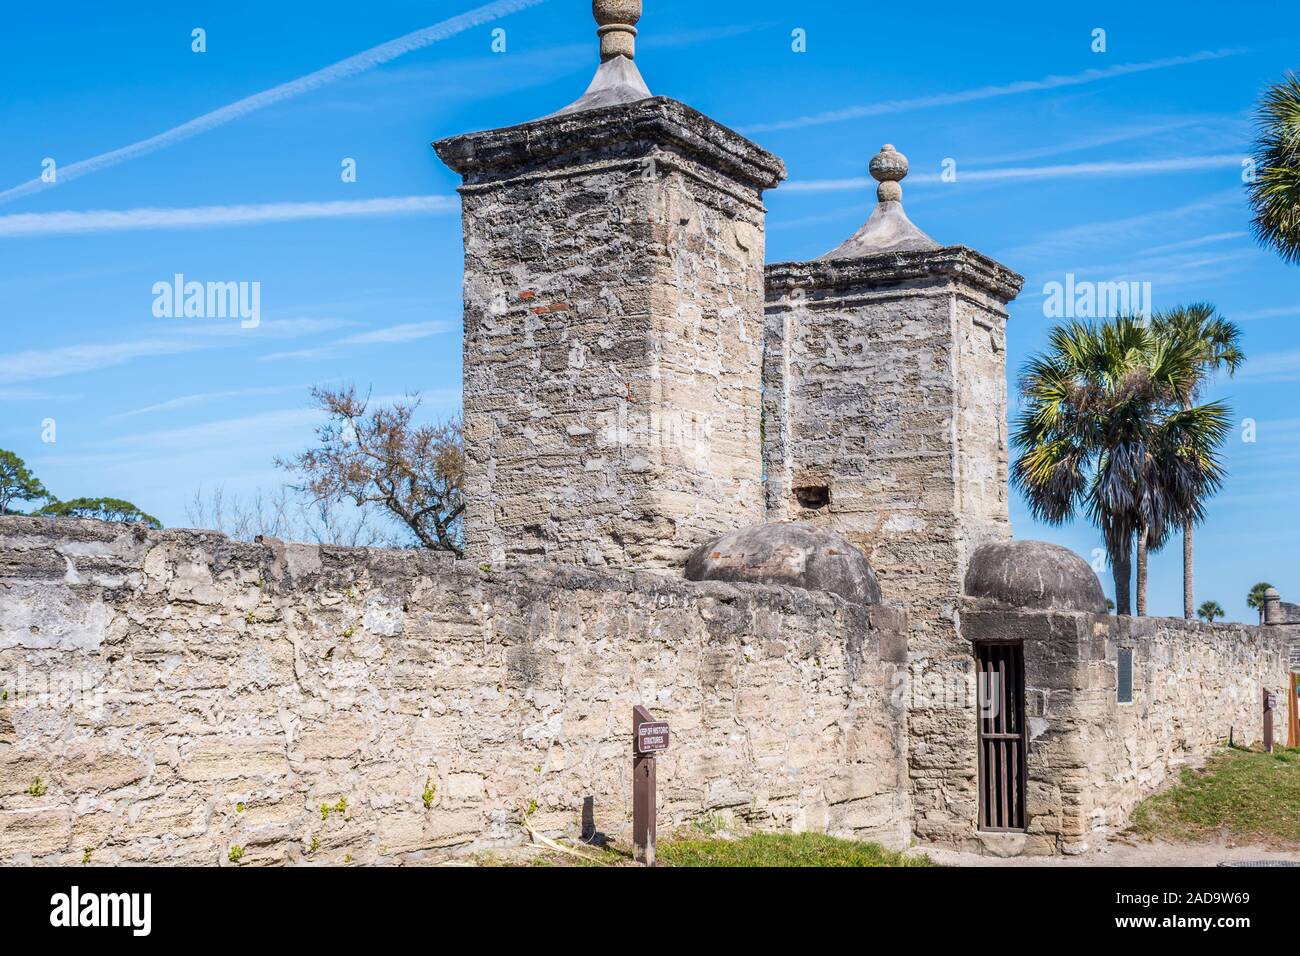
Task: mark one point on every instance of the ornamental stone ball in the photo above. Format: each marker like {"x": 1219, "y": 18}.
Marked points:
{"x": 887, "y": 229}
{"x": 616, "y": 21}
{"x": 889, "y": 167}
{"x": 617, "y": 81}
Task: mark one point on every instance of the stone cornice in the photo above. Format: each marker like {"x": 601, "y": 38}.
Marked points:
{"x": 624, "y": 130}
{"x": 893, "y": 269}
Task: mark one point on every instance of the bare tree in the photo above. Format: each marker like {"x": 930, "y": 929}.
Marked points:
{"x": 240, "y": 519}
{"x": 289, "y": 515}
{"x": 380, "y": 457}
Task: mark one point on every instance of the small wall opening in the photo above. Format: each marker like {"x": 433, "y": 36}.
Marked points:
{"x": 812, "y": 497}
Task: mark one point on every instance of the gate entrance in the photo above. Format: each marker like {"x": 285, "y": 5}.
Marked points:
{"x": 1003, "y": 735}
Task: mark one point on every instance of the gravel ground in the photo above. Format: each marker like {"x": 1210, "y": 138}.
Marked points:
{"x": 1154, "y": 853}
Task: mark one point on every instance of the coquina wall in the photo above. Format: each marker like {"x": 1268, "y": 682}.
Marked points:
{"x": 1091, "y": 758}
{"x": 171, "y": 695}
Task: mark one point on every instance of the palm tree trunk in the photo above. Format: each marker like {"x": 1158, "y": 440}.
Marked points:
{"x": 1143, "y": 537}
{"x": 1189, "y": 571}
{"x": 1122, "y": 569}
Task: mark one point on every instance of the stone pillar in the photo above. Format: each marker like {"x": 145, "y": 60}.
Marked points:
{"x": 613, "y": 325}
{"x": 885, "y": 414}
{"x": 886, "y": 398}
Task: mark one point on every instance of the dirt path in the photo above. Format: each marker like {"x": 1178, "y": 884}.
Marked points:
{"x": 1155, "y": 853}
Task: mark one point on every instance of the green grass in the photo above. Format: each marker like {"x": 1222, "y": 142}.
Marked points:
{"x": 781, "y": 849}
{"x": 1247, "y": 795}
{"x": 696, "y": 847}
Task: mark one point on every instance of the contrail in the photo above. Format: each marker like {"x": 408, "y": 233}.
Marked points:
{"x": 118, "y": 220}
{"x": 989, "y": 92}
{"x": 1023, "y": 173}
{"x": 353, "y": 65}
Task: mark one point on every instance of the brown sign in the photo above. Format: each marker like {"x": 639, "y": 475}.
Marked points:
{"x": 649, "y": 736}
{"x": 652, "y": 737}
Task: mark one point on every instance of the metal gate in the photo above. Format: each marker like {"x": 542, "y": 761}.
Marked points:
{"x": 1003, "y": 739}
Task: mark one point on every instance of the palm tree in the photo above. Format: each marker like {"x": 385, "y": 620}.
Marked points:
{"x": 1219, "y": 344}
{"x": 1103, "y": 430}
{"x": 1210, "y": 611}
{"x": 1275, "y": 190}
{"x": 1256, "y": 598}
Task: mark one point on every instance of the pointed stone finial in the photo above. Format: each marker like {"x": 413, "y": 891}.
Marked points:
{"x": 889, "y": 168}
{"x": 617, "y": 80}
{"x": 888, "y": 229}
{"x": 616, "y": 25}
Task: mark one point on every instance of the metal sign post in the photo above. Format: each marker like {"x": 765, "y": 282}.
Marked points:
{"x": 1270, "y": 705}
{"x": 649, "y": 737}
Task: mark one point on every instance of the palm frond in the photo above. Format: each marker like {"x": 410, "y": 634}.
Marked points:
{"x": 1275, "y": 192}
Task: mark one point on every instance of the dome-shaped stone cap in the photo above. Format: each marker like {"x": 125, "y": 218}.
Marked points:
{"x": 1034, "y": 574}
{"x": 790, "y": 553}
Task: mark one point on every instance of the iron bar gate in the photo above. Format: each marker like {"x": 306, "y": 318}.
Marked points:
{"x": 1003, "y": 735}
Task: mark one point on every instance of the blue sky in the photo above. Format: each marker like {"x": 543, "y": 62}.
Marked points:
{"x": 1115, "y": 165}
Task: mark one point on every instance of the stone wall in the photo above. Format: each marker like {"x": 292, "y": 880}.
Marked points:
{"x": 1092, "y": 759}
{"x": 171, "y": 695}
{"x": 613, "y": 335}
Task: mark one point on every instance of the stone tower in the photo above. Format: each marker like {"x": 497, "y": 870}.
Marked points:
{"x": 885, "y": 397}
{"x": 613, "y": 324}
{"x": 886, "y": 420}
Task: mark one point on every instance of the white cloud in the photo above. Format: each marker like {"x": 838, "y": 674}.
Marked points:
{"x": 242, "y": 431}
{"x": 1198, "y": 241}
{"x": 1265, "y": 367}
{"x": 989, "y": 92}
{"x": 408, "y": 332}
{"x": 117, "y": 220}
{"x": 206, "y": 398}
{"x": 1218, "y": 131}
{"x": 1112, "y": 232}
{"x": 36, "y": 364}
{"x": 269, "y": 329}
{"x": 1273, "y": 313}
{"x": 1168, "y": 273}
{"x": 31, "y": 395}
{"x": 366, "y": 60}
{"x": 71, "y": 359}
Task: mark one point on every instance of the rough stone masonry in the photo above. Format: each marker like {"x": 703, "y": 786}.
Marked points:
{"x": 169, "y": 696}
{"x": 177, "y": 697}
{"x": 613, "y": 334}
